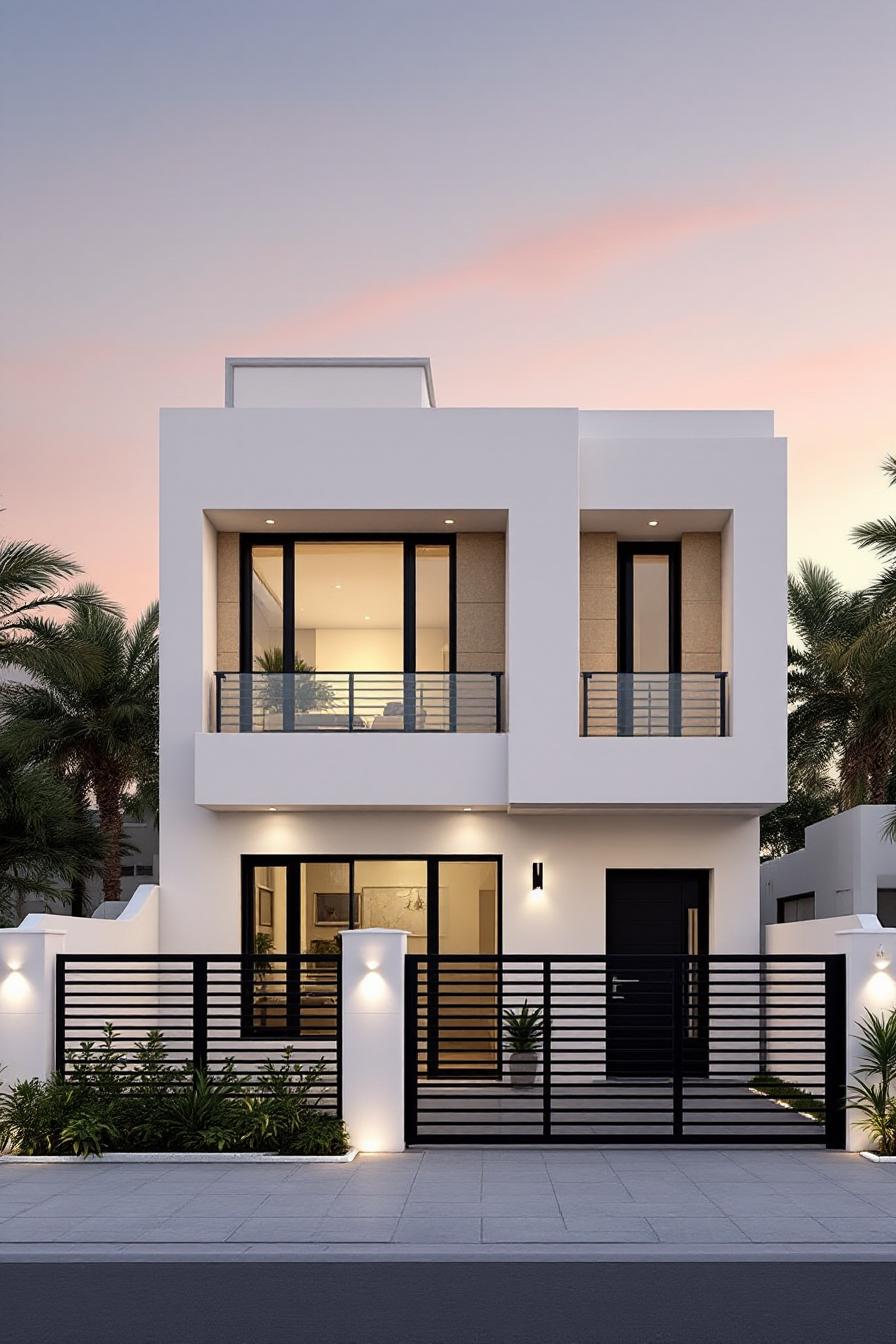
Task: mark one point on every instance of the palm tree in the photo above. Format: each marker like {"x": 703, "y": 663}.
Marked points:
{"x": 93, "y": 719}
{"x": 842, "y": 688}
{"x": 880, "y": 536}
{"x": 29, "y": 592}
{"x": 44, "y": 840}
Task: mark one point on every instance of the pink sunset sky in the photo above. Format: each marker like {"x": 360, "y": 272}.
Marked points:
{"x": 648, "y": 204}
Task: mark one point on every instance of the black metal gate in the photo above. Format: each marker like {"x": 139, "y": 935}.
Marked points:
{"x": 652, "y": 1049}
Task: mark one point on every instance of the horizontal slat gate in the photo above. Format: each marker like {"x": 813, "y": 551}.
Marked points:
{"x": 209, "y": 1010}
{"x": 652, "y": 1049}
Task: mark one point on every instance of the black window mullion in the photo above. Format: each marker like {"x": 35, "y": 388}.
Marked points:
{"x": 289, "y": 636}
{"x": 410, "y": 636}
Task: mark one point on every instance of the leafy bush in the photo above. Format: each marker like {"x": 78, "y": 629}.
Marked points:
{"x": 108, "y": 1102}
{"x": 873, "y": 1093}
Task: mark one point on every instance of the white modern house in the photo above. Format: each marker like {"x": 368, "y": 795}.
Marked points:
{"x": 468, "y": 717}
{"x": 551, "y": 637}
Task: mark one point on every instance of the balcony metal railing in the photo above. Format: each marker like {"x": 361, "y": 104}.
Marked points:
{"x": 346, "y": 702}
{"x": 654, "y": 704}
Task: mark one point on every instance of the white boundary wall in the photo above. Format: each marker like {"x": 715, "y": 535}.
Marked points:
{"x": 858, "y": 937}
{"x": 28, "y": 974}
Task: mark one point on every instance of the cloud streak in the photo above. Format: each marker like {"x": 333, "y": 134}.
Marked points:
{"x": 552, "y": 260}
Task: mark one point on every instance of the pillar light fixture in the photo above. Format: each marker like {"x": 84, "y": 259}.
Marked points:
{"x": 538, "y": 876}
{"x": 881, "y": 958}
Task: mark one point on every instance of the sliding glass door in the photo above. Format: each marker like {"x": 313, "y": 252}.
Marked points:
{"x": 363, "y": 626}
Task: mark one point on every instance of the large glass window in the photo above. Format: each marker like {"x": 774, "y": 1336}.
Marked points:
{"x": 349, "y": 601}
{"x": 302, "y": 905}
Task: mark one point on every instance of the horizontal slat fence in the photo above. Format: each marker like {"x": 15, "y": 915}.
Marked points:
{"x": 209, "y": 1010}
{"x": 650, "y": 1049}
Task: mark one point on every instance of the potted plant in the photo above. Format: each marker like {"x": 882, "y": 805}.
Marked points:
{"x": 523, "y": 1032}
{"x": 307, "y": 692}
{"x": 873, "y": 1093}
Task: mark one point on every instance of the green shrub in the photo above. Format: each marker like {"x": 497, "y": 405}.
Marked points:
{"x": 873, "y": 1093}
{"x": 108, "y": 1102}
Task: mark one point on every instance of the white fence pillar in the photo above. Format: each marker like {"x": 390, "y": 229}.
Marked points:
{"x": 373, "y": 1045}
{"x": 27, "y": 1002}
{"x": 868, "y": 988}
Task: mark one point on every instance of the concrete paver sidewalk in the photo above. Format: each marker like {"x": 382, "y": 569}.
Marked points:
{"x": 461, "y": 1201}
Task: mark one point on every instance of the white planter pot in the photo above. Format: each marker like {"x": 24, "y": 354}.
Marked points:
{"x": 523, "y": 1068}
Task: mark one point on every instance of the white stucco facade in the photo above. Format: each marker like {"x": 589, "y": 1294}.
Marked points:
{"x": 539, "y": 790}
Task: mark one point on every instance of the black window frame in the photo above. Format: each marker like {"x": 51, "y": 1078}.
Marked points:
{"x": 625, "y": 555}
{"x": 287, "y": 540}
{"x": 293, "y": 865}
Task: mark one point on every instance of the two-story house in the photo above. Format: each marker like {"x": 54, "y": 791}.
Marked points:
{"x": 513, "y": 680}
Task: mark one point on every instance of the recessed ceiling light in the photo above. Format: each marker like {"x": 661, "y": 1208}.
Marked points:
{"x": 338, "y": 585}
{"x": 272, "y": 809}
{"x": 653, "y": 523}
{"x": 449, "y": 521}
{"x": 468, "y": 809}
{"x": 367, "y": 618}
{"x": 270, "y": 521}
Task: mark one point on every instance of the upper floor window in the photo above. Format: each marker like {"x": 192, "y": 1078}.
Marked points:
{"x": 649, "y": 609}
{"x": 347, "y": 604}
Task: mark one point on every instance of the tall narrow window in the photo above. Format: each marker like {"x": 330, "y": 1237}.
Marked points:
{"x": 267, "y": 608}
{"x": 650, "y": 613}
{"x": 433, "y": 608}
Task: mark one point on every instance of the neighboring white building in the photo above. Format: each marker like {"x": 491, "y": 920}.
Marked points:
{"x": 538, "y": 637}
{"x": 847, "y": 867}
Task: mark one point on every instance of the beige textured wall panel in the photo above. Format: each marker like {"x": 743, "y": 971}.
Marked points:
{"x": 478, "y": 623}
{"x": 228, "y": 601}
{"x": 480, "y": 567}
{"x": 481, "y": 579}
{"x": 597, "y": 602}
{"x": 701, "y": 602}
{"x": 487, "y": 660}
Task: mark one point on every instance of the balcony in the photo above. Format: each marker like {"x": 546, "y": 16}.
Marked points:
{"x": 358, "y": 702}
{"x": 654, "y": 704}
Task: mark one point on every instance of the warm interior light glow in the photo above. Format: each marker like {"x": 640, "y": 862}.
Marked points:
{"x": 270, "y": 521}
{"x": 449, "y": 521}
{"x": 653, "y": 523}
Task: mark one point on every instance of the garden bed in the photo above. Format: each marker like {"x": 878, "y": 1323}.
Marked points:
{"x": 182, "y": 1157}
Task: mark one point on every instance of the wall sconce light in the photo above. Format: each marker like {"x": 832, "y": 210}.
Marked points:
{"x": 881, "y": 959}
{"x": 372, "y": 965}
{"x": 538, "y": 877}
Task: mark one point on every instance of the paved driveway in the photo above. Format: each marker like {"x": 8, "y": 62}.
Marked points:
{"x": 465, "y": 1203}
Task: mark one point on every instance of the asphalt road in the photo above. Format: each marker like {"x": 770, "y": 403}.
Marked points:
{"x": 290, "y": 1302}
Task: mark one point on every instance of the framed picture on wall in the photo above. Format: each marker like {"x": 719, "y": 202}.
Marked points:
{"x": 265, "y": 899}
{"x": 332, "y": 909}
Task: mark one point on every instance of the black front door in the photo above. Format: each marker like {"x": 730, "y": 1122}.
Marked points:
{"x": 656, "y": 998}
